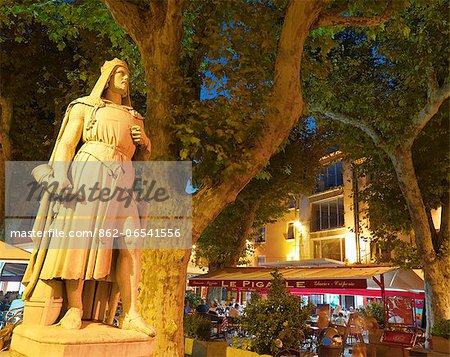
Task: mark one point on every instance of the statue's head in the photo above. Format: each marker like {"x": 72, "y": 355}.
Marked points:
{"x": 114, "y": 76}
{"x": 119, "y": 81}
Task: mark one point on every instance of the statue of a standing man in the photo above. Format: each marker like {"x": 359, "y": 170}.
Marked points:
{"x": 100, "y": 135}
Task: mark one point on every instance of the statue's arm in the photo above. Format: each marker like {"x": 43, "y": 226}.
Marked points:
{"x": 143, "y": 150}
{"x": 71, "y": 135}
{"x": 66, "y": 146}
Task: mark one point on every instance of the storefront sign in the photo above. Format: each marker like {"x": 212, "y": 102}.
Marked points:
{"x": 398, "y": 337}
{"x": 294, "y": 284}
{"x": 400, "y": 310}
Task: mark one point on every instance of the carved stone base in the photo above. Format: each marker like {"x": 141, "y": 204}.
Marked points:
{"x": 93, "y": 339}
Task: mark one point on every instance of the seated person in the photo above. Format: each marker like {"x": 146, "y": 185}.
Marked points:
{"x": 234, "y": 312}
{"x": 202, "y": 308}
{"x": 323, "y": 321}
{"x": 220, "y": 310}
{"x": 341, "y": 320}
{"x": 213, "y": 307}
{"x": 187, "y": 307}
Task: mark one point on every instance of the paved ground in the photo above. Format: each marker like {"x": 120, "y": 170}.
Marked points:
{"x": 347, "y": 353}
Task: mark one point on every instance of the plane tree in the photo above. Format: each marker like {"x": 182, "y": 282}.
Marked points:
{"x": 267, "y": 197}
{"x": 249, "y": 53}
{"x": 393, "y": 87}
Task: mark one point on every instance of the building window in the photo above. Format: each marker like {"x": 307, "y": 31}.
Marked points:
{"x": 316, "y": 299}
{"x": 330, "y": 249}
{"x": 261, "y": 259}
{"x": 349, "y": 301}
{"x": 290, "y": 233}
{"x": 260, "y": 235}
{"x": 292, "y": 202}
{"x": 330, "y": 177}
{"x": 327, "y": 214}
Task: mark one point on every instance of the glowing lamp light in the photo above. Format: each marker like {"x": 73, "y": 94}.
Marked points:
{"x": 300, "y": 227}
{"x": 350, "y": 247}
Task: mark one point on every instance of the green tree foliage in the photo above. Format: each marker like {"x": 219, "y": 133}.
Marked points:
{"x": 374, "y": 310}
{"x": 387, "y": 86}
{"x": 270, "y": 319}
{"x": 291, "y": 172}
{"x": 393, "y": 87}
{"x": 442, "y": 328}
{"x": 51, "y": 53}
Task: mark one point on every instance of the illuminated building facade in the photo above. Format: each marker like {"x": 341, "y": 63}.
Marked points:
{"x": 326, "y": 225}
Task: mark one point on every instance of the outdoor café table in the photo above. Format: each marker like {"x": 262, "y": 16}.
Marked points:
{"x": 216, "y": 324}
{"x": 312, "y": 332}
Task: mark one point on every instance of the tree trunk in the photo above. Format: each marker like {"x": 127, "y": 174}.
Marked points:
{"x": 284, "y": 109}
{"x": 5, "y": 149}
{"x": 157, "y": 31}
{"x": 444, "y": 229}
{"x": 436, "y": 267}
{"x": 161, "y": 297}
{"x": 247, "y": 229}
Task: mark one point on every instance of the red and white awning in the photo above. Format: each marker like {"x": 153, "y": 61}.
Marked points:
{"x": 360, "y": 280}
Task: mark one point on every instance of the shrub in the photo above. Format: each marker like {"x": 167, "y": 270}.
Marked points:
{"x": 441, "y": 328}
{"x": 279, "y": 317}
{"x": 373, "y": 310}
{"x": 197, "y": 327}
{"x": 192, "y": 298}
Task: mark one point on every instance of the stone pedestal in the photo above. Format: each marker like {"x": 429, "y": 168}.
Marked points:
{"x": 93, "y": 339}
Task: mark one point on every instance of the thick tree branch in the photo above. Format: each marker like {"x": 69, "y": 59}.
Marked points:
{"x": 129, "y": 16}
{"x": 6, "y": 111}
{"x": 345, "y": 119}
{"x": 444, "y": 229}
{"x": 173, "y": 8}
{"x": 284, "y": 109}
{"x": 247, "y": 227}
{"x": 333, "y": 20}
{"x": 157, "y": 30}
{"x": 402, "y": 160}
{"x": 434, "y": 234}
{"x": 436, "y": 95}
{"x": 329, "y": 18}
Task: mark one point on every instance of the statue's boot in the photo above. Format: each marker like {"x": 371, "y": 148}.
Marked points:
{"x": 137, "y": 323}
{"x": 72, "y": 318}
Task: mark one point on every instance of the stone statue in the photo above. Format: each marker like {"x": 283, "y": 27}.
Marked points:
{"x": 100, "y": 128}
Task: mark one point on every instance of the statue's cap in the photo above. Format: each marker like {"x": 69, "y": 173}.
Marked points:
{"x": 109, "y": 65}
{"x": 107, "y": 71}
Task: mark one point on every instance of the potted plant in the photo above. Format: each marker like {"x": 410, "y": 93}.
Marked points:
{"x": 266, "y": 322}
{"x": 197, "y": 328}
{"x": 441, "y": 336}
{"x": 373, "y": 314}
{"x": 197, "y": 332}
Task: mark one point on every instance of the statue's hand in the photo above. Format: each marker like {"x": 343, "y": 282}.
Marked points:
{"x": 59, "y": 183}
{"x": 136, "y": 135}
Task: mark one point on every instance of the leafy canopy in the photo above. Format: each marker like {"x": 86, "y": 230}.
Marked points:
{"x": 380, "y": 78}
{"x": 291, "y": 172}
